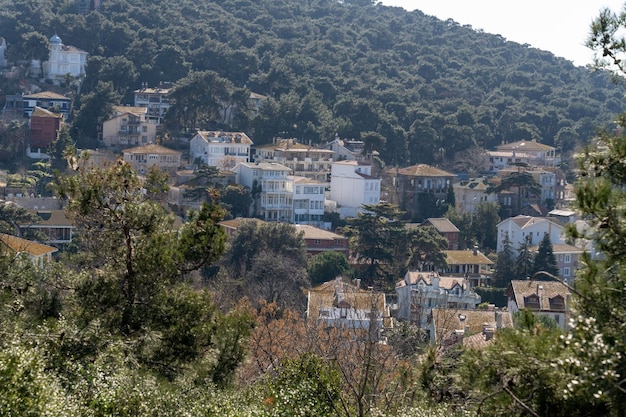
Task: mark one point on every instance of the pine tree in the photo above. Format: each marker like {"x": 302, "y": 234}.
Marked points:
{"x": 545, "y": 259}
{"x": 505, "y": 265}
{"x": 524, "y": 260}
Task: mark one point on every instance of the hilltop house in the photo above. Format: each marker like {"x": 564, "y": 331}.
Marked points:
{"x": 304, "y": 160}
{"x": 217, "y": 148}
{"x": 340, "y": 304}
{"x": 141, "y": 158}
{"x": 319, "y": 240}
{"x": 156, "y": 100}
{"x": 522, "y": 227}
{"x": 547, "y": 298}
{"x": 64, "y": 60}
{"x": 38, "y": 253}
{"x": 309, "y": 198}
{"x": 419, "y": 292}
{"x": 470, "y": 328}
{"x": 274, "y": 202}
{"x": 472, "y": 264}
{"x": 129, "y": 126}
{"x": 44, "y": 127}
{"x": 48, "y": 100}
{"x": 470, "y": 193}
{"x": 421, "y": 188}
{"x": 446, "y": 229}
{"x": 352, "y": 185}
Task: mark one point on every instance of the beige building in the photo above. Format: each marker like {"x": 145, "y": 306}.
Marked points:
{"x": 304, "y": 160}
{"x": 141, "y": 158}
{"x": 129, "y": 126}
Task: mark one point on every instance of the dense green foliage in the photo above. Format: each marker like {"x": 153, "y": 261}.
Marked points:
{"x": 425, "y": 88}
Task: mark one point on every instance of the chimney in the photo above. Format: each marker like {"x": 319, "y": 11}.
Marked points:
{"x": 498, "y": 320}
{"x": 467, "y": 329}
{"x": 435, "y": 281}
{"x": 357, "y": 283}
{"x": 489, "y": 331}
{"x": 458, "y": 337}
{"x": 475, "y": 250}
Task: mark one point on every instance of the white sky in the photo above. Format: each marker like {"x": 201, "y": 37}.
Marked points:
{"x": 558, "y": 26}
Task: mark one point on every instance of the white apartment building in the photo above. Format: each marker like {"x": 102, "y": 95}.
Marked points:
{"x": 522, "y": 227}
{"x": 221, "y": 149}
{"x": 308, "y": 200}
{"x": 155, "y": 99}
{"x": 352, "y": 185}
{"x": 275, "y": 201}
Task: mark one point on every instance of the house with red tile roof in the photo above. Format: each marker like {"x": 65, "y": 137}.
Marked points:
{"x": 419, "y": 186}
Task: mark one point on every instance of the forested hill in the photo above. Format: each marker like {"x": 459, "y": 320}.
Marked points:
{"x": 414, "y": 86}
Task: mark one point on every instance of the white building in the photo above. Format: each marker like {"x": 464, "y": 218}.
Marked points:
{"x": 340, "y": 304}
{"x": 523, "y": 151}
{"x": 352, "y": 185}
{"x": 64, "y": 60}
{"x": 221, "y": 149}
{"x": 522, "y": 227}
{"x": 308, "y": 200}
{"x": 155, "y": 99}
{"x": 546, "y": 298}
{"x": 275, "y": 201}
{"x": 419, "y": 292}
{"x": 304, "y": 160}
{"x": 347, "y": 149}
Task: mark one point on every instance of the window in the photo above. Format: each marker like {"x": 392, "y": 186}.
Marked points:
{"x": 566, "y": 272}
{"x": 144, "y": 128}
{"x": 568, "y": 258}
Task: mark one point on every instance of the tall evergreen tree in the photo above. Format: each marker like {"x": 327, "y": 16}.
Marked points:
{"x": 505, "y": 265}
{"x": 545, "y": 259}
{"x": 524, "y": 260}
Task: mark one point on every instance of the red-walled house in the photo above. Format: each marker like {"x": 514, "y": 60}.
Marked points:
{"x": 44, "y": 127}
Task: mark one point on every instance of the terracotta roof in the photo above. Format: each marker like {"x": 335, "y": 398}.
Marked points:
{"x": 479, "y": 184}
{"x": 544, "y": 292}
{"x": 226, "y": 137}
{"x": 447, "y": 320}
{"x": 47, "y": 94}
{"x": 266, "y": 166}
{"x": 152, "y": 148}
{"x": 339, "y": 293}
{"x": 423, "y": 170}
{"x": 137, "y": 111}
{"x": 354, "y": 163}
{"x": 17, "y": 244}
{"x": 466, "y": 257}
{"x": 51, "y": 218}
{"x": 444, "y": 282}
{"x": 311, "y": 232}
{"x": 524, "y": 145}
{"x": 237, "y": 222}
{"x": 40, "y": 112}
{"x": 442, "y": 225}
{"x": 559, "y": 248}
{"x": 527, "y": 221}
{"x": 293, "y": 147}
{"x": 297, "y": 179}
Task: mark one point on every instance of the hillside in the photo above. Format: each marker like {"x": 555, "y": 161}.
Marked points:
{"x": 417, "y": 88}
